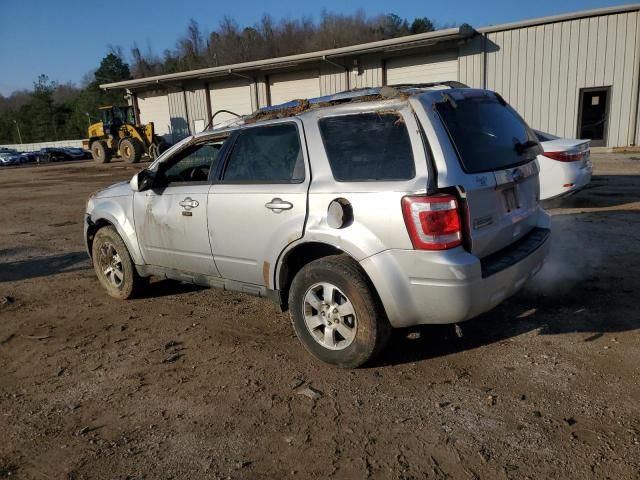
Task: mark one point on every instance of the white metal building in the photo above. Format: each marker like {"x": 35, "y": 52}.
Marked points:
{"x": 574, "y": 75}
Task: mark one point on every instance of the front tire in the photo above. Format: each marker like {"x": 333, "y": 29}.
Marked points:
{"x": 131, "y": 150}
{"x": 100, "y": 151}
{"x": 113, "y": 265}
{"x": 336, "y": 313}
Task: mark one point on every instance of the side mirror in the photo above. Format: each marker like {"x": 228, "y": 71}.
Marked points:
{"x": 142, "y": 181}
{"x": 133, "y": 183}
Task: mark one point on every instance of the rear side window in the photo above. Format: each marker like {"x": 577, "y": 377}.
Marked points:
{"x": 368, "y": 147}
{"x": 270, "y": 154}
{"x": 487, "y": 133}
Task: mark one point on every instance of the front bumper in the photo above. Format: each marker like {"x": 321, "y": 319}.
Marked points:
{"x": 87, "y": 225}
{"x": 423, "y": 287}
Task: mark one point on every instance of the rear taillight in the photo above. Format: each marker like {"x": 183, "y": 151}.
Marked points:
{"x": 433, "y": 222}
{"x": 566, "y": 156}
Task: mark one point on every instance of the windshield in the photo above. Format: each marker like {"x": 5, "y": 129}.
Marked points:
{"x": 487, "y": 133}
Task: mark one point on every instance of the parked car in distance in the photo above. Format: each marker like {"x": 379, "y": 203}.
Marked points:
{"x": 28, "y": 157}
{"x": 9, "y": 157}
{"x": 565, "y": 166}
{"x": 77, "y": 153}
{"x": 423, "y": 208}
{"x": 53, "y": 154}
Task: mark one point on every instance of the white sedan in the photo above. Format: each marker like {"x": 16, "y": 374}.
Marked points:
{"x": 565, "y": 166}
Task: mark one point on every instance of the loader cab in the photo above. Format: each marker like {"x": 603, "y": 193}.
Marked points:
{"x": 113, "y": 117}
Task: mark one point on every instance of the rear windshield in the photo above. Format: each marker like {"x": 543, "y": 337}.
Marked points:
{"x": 367, "y": 147}
{"x": 487, "y": 133}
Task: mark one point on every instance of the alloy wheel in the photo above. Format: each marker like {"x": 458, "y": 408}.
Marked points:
{"x": 329, "y": 316}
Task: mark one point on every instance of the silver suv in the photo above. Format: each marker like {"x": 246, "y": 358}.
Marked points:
{"x": 357, "y": 212}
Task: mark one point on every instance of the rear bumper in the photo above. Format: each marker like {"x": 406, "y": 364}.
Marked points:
{"x": 558, "y": 179}
{"x": 451, "y": 286}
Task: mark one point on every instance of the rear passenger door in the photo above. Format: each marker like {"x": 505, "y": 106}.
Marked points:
{"x": 258, "y": 204}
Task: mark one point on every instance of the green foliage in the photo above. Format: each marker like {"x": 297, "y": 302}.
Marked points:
{"x": 422, "y": 25}
{"x": 59, "y": 112}
{"x": 394, "y": 26}
{"x": 112, "y": 69}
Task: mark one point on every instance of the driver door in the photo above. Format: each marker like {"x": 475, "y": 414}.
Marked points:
{"x": 171, "y": 218}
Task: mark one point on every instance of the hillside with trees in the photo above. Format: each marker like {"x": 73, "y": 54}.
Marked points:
{"x": 52, "y": 111}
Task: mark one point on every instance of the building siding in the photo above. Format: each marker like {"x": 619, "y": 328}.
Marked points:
{"x": 196, "y": 105}
{"x": 541, "y": 69}
{"x": 333, "y": 79}
{"x": 178, "y": 114}
{"x": 367, "y": 73}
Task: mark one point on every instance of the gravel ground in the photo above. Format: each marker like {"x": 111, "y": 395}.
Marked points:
{"x": 195, "y": 383}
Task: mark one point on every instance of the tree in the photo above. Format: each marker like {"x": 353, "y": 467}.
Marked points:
{"x": 43, "y": 120}
{"x": 394, "y": 26}
{"x": 112, "y": 69}
{"x": 421, "y": 25}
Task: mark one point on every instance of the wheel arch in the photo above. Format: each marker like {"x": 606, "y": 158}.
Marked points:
{"x": 100, "y": 219}
{"x": 299, "y": 255}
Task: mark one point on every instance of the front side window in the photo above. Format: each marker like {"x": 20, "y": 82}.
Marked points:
{"x": 368, "y": 147}
{"x": 194, "y": 163}
{"x": 269, "y": 154}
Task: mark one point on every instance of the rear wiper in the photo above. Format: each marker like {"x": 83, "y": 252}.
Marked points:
{"x": 520, "y": 147}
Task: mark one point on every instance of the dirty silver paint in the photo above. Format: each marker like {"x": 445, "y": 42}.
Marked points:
{"x": 233, "y": 240}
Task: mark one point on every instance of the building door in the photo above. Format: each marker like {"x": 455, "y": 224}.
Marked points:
{"x": 593, "y": 117}
{"x": 231, "y": 95}
{"x": 284, "y": 87}
{"x": 431, "y": 67}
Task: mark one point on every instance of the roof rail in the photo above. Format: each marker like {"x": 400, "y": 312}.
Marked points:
{"x": 357, "y": 93}
{"x": 444, "y": 83}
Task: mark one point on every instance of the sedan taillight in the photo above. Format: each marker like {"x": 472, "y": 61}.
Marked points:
{"x": 433, "y": 222}
{"x": 570, "y": 156}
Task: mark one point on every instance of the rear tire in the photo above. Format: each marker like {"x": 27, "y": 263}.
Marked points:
{"x": 100, "y": 151}
{"x": 131, "y": 150}
{"x": 354, "y": 327}
{"x": 156, "y": 149}
{"x": 153, "y": 151}
{"x": 113, "y": 265}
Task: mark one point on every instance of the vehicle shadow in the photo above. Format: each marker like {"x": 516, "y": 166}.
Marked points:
{"x": 166, "y": 287}
{"x": 581, "y": 289}
{"x": 43, "y": 266}
{"x": 602, "y": 191}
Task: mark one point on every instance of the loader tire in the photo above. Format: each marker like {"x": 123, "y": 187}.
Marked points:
{"x": 100, "y": 151}
{"x": 131, "y": 150}
{"x": 157, "y": 148}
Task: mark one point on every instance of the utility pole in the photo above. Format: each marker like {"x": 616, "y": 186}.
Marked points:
{"x": 18, "y": 127}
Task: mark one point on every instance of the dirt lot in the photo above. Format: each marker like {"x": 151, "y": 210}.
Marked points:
{"x": 196, "y": 383}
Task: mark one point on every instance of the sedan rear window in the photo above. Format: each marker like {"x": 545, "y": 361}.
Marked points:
{"x": 487, "y": 133}
{"x": 368, "y": 147}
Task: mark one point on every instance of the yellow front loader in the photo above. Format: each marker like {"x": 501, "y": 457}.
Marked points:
{"x": 117, "y": 134}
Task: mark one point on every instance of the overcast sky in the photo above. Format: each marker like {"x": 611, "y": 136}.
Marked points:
{"x": 65, "y": 39}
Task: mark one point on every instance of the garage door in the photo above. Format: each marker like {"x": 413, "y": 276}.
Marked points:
{"x": 294, "y": 85}
{"x": 154, "y": 107}
{"x": 232, "y": 95}
{"x": 434, "y": 67}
